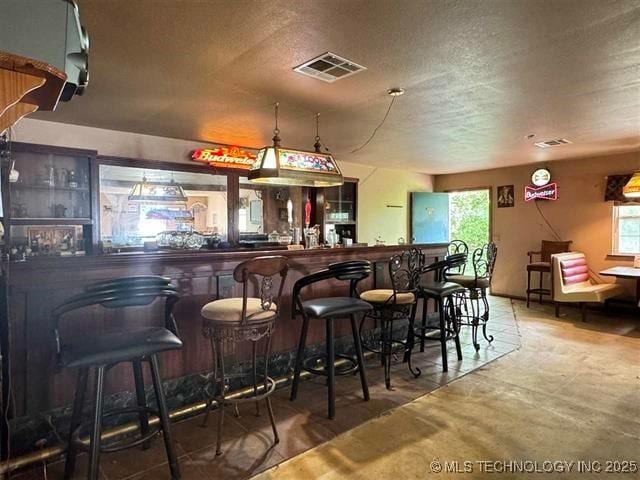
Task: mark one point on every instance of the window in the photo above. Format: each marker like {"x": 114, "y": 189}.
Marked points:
{"x": 626, "y": 229}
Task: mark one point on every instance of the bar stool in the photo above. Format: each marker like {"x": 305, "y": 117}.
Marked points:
{"x": 330, "y": 309}
{"x": 229, "y": 321}
{"x": 442, "y": 292}
{"x": 101, "y": 352}
{"x": 391, "y": 305}
{"x": 475, "y": 292}
{"x": 455, "y": 247}
{"x": 547, "y": 249}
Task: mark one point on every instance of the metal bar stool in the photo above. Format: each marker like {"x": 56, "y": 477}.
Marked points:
{"x": 472, "y": 306}
{"x": 330, "y": 309}
{"x": 392, "y": 305}
{"x": 229, "y": 321}
{"x": 442, "y": 292}
{"x": 455, "y": 247}
{"x": 100, "y": 352}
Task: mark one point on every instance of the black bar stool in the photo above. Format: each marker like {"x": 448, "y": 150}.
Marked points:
{"x": 329, "y": 309}
{"x": 394, "y": 304}
{"x": 102, "y": 351}
{"x": 442, "y": 292}
{"x": 228, "y": 321}
{"x": 472, "y": 306}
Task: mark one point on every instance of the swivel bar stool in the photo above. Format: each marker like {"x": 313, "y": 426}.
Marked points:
{"x": 442, "y": 292}
{"x": 392, "y": 305}
{"x": 229, "y": 321}
{"x": 100, "y": 352}
{"x": 330, "y": 309}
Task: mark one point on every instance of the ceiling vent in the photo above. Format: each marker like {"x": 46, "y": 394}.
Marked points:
{"x": 552, "y": 143}
{"x": 329, "y": 67}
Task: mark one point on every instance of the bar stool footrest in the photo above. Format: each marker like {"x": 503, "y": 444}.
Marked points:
{"x": 154, "y": 430}
{"x": 228, "y": 400}
{"x": 344, "y": 369}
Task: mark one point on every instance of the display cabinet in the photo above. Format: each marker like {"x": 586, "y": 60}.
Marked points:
{"x": 51, "y": 209}
{"x": 340, "y": 210}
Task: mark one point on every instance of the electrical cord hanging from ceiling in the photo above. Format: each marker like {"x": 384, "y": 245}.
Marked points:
{"x": 553, "y": 230}
{"x": 375, "y": 130}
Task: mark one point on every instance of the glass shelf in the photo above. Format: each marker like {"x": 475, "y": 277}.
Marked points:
{"x": 51, "y": 188}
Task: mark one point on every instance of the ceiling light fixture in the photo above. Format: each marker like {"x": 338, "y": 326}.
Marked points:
{"x": 632, "y": 188}
{"x": 395, "y": 92}
{"x": 275, "y": 165}
{"x": 157, "y": 192}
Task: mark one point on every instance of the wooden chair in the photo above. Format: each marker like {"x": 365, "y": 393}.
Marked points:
{"x": 543, "y": 266}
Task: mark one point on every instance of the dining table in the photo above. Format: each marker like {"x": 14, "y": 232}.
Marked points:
{"x": 625, "y": 272}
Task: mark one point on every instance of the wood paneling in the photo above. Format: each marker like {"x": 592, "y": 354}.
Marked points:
{"x": 40, "y": 285}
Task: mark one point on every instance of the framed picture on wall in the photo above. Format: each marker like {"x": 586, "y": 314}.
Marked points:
{"x": 506, "y": 197}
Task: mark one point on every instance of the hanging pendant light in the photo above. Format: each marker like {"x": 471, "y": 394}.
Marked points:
{"x": 632, "y": 188}
{"x": 275, "y": 165}
{"x": 157, "y": 192}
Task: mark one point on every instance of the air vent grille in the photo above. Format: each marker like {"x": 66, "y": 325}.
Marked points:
{"x": 552, "y": 143}
{"x": 329, "y": 67}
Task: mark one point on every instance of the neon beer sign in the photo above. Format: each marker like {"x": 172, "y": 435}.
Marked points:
{"x": 542, "y": 188}
{"x": 224, "y": 157}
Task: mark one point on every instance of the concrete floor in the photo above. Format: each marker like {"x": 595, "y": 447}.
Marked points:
{"x": 570, "y": 394}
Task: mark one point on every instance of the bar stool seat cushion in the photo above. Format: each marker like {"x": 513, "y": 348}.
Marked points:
{"x": 440, "y": 289}
{"x": 385, "y": 295}
{"x": 539, "y": 267}
{"x": 335, "y": 307}
{"x": 230, "y": 310}
{"x": 110, "y": 348}
{"x": 469, "y": 281}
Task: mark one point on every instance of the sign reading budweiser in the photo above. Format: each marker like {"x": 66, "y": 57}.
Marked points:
{"x": 546, "y": 192}
{"x": 541, "y": 189}
{"x": 224, "y": 157}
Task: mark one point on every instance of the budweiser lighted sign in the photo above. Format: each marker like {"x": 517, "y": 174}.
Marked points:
{"x": 224, "y": 157}
{"x": 541, "y": 189}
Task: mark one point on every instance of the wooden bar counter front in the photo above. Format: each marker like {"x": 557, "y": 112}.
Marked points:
{"x": 38, "y": 286}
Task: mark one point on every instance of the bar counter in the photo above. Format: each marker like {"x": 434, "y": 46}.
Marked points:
{"x": 39, "y": 285}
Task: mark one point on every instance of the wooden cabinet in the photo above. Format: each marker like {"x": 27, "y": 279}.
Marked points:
{"x": 51, "y": 208}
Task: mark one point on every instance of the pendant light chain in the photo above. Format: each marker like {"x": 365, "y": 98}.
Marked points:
{"x": 317, "y": 145}
{"x": 276, "y": 131}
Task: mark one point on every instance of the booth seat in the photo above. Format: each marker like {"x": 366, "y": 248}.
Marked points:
{"x": 572, "y": 284}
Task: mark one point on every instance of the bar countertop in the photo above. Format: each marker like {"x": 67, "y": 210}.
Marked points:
{"x": 202, "y": 255}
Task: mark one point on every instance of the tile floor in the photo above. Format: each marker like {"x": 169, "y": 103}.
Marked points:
{"x": 302, "y": 425}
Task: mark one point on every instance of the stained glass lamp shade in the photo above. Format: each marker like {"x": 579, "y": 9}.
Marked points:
{"x": 284, "y": 166}
{"x": 157, "y": 192}
{"x": 632, "y": 188}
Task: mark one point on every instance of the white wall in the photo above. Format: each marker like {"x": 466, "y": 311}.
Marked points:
{"x": 378, "y": 187}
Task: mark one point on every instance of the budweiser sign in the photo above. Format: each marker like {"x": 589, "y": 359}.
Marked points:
{"x": 224, "y": 157}
{"x": 546, "y": 192}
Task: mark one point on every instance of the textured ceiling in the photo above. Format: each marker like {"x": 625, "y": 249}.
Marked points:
{"x": 479, "y": 76}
